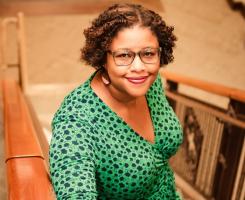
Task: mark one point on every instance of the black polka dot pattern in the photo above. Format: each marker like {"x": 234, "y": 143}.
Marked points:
{"x": 94, "y": 154}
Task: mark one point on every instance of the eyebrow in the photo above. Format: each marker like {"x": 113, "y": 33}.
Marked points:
{"x": 128, "y": 49}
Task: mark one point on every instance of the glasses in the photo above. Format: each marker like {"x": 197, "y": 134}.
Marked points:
{"x": 125, "y": 57}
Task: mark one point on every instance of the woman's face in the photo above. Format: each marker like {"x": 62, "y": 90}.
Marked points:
{"x": 132, "y": 80}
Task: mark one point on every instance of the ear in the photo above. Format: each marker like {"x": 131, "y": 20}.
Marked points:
{"x": 105, "y": 80}
{"x": 105, "y": 77}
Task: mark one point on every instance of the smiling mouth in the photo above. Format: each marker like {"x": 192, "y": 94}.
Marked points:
{"x": 137, "y": 80}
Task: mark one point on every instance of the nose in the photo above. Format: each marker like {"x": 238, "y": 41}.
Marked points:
{"x": 137, "y": 64}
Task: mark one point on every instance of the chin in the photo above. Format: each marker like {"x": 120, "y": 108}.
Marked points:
{"x": 137, "y": 92}
{"x": 139, "y": 89}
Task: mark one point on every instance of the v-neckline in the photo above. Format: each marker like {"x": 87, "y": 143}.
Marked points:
{"x": 120, "y": 118}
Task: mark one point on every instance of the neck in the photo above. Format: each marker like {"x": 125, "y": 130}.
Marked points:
{"x": 111, "y": 96}
{"x": 120, "y": 98}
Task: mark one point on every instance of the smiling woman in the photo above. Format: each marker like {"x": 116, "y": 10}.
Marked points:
{"x": 113, "y": 135}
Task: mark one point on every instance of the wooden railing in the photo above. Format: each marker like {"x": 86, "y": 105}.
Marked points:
{"x": 27, "y": 172}
{"x": 232, "y": 93}
{"x": 19, "y": 24}
{"x": 213, "y": 152}
{"x": 26, "y": 147}
{"x": 236, "y": 96}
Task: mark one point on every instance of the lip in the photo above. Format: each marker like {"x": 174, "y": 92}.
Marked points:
{"x": 137, "y": 80}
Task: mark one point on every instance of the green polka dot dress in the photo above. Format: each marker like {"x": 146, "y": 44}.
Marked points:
{"x": 94, "y": 154}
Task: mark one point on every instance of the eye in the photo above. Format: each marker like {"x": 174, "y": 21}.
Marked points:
{"x": 148, "y": 53}
{"x": 123, "y": 55}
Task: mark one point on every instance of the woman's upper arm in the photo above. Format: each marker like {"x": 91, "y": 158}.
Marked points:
{"x": 72, "y": 161}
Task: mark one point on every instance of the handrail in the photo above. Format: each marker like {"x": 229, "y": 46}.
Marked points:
{"x": 215, "y": 88}
{"x": 27, "y": 173}
{"x": 22, "y": 60}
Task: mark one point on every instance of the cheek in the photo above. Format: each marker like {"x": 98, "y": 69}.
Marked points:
{"x": 115, "y": 72}
{"x": 154, "y": 69}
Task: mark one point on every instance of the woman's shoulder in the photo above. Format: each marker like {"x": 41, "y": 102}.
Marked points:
{"x": 76, "y": 104}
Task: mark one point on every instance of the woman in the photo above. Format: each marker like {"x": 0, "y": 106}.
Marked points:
{"x": 113, "y": 135}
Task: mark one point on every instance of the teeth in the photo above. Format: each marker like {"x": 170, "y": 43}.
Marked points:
{"x": 137, "y": 80}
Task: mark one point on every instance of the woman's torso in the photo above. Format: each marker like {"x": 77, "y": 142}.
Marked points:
{"x": 127, "y": 165}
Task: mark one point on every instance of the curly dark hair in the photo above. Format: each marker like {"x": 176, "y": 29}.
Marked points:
{"x": 104, "y": 28}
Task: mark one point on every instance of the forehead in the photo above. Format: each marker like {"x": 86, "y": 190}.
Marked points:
{"x": 134, "y": 38}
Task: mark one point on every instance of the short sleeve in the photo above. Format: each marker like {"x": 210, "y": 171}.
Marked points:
{"x": 72, "y": 161}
